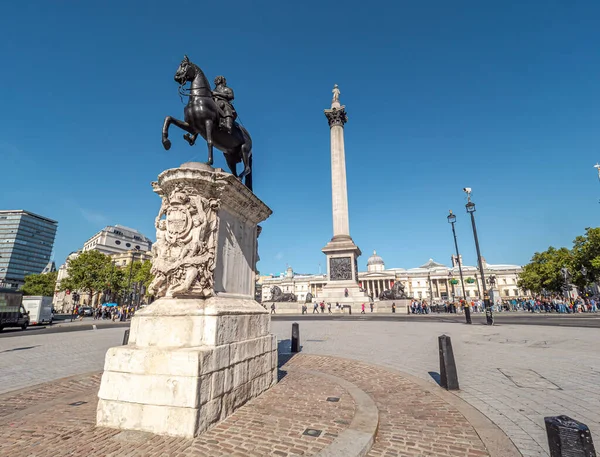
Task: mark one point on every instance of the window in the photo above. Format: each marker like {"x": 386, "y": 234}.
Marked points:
{"x": 515, "y": 292}
{"x": 506, "y": 292}
{"x": 468, "y": 293}
{"x": 504, "y": 281}
{"x": 128, "y": 245}
{"x": 137, "y": 247}
{"x": 117, "y": 242}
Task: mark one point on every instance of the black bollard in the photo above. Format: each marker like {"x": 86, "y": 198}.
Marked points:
{"x": 448, "y": 373}
{"x": 349, "y": 309}
{"x": 126, "y": 338}
{"x": 295, "y": 337}
{"x": 568, "y": 437}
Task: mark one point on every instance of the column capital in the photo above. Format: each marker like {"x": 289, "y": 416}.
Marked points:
{"x": 336, "y": 116}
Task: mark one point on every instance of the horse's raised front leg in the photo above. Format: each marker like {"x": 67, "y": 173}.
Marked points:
{"x": 165, "y": 131}
{"x": 209, "y": 126}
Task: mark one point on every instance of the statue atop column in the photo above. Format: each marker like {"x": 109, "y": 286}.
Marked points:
{"x": 336, "y": 94}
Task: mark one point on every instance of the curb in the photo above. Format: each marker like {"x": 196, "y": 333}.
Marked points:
{"x": 358, "y": 438}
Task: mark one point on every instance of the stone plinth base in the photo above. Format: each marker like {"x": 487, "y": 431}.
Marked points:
{"x": 189, "y": 364}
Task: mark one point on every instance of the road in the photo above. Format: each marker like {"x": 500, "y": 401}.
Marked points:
{"x": 63, "y": 323}
{"x": 553, "y": 320}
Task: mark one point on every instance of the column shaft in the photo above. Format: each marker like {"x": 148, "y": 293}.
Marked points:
{"x": 339, "y": 191}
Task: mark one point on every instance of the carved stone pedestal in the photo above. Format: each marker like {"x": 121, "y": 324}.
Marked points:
{"x": 204, "y": 348}
{"x": 342, "y": 273}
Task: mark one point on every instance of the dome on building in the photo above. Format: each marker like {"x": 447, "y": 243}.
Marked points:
{"x": 375, "y": 263}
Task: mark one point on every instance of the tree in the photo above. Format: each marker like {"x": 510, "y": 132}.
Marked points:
{"x": 89, "y": 272}
{"x": 543, "y": 272}
{"x": 586, "y": 254}
{"x": 142, "y": 274}
{"x": 42, "y": 284}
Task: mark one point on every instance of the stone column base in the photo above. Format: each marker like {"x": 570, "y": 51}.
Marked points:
{"x": 188, "y": 365}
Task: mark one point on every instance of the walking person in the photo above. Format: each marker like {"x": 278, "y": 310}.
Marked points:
{"x": 371, "y": 305}
{"x": 322, "y": 307}
{"x": 272, "y": 308}
{"x": 329, "y": 307}
{"x": 393, "y": 307}
{"x": 362, "y": 309}
{"x": 316, "y": 308}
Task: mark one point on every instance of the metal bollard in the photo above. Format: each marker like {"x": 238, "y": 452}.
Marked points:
{"x": 448, "y": 373}
{"x": 568, "y": 437}
{"x": 468, "y": 313}
{"x": 295, "y": 337}
{"x": 126, "y": 338}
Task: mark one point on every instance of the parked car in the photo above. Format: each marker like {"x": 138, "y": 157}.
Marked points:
{"x": 86, "y": 311}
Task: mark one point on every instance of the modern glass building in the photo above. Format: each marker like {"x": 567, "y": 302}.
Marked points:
{"x": 26, "y": 242}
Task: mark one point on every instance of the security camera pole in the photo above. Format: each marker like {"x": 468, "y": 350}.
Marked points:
{"x": 486, "y": 299}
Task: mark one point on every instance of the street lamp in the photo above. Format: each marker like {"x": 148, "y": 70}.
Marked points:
{"x": 452, "y": 220}
{"x": 566, "y": 276}
{"x": 470, "y": 206}
{"x": 133, "y": 252}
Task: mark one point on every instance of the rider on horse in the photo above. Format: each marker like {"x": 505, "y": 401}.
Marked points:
{"x": 223, "y": 96}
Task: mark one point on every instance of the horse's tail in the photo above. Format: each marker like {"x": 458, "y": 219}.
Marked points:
{"x": 248, "y": 178}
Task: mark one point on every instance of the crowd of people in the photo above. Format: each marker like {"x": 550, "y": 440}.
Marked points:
{"x": 551, "y": 304}
{"x": 113, "y": 313}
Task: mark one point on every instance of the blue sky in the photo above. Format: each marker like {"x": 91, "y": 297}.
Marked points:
{"x": 501, "y": 97}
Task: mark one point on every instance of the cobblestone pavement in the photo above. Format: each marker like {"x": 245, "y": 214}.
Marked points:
{"x": 57, "y": 419}
{"x": 515, "y": 375}
{"x": 411, "y": 421}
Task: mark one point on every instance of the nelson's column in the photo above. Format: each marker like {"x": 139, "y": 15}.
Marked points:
{"x": 342, "y": 254}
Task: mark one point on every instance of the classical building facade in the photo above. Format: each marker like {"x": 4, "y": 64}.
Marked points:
{"x": 431, "y": 281}
{"x": 116, "y": 239}
{"x": 26, "y": 242}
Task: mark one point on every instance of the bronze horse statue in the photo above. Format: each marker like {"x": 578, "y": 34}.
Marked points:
{"x": 201, "y": 117}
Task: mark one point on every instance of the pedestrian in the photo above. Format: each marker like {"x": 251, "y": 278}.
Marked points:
{"x": 362, "y": 307}
{"x": 304, "y": 310}
{"x": 329, "y": 307}
{"x": 272, "y": 308}
{"x": 393, "y": 307}
{"x": 316, "y": 308}
{"x": 322, "y": 307}
{"x": 371, "y": 305}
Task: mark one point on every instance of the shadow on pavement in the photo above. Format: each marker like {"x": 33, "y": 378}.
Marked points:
{"x": 284, "y": 355}
{"x": 436, "y": 377}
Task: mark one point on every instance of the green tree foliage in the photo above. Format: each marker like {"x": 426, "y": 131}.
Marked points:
{"x": 42, "y": 284}
{"x": 89, "y": 272}
{"x": 586, "y": 254}
{"x": 543, "y": 272}
{"x": 142, "y": 274}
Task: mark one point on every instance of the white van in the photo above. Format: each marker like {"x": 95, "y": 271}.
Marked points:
{"x": 39, "y": 308}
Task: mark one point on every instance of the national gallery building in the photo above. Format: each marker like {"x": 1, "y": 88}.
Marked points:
{"x": 431, "y": 279}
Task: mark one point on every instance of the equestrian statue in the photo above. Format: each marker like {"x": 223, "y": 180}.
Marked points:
{"x": 210, "y": 113}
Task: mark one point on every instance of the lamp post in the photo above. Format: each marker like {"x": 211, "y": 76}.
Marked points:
{"x": 133, "y": 252}
{"x": 566, "y": 276}
{"x": 470, "y": 206}
{"x": 451, "y": 221}
{"x": 584, "y": 273}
